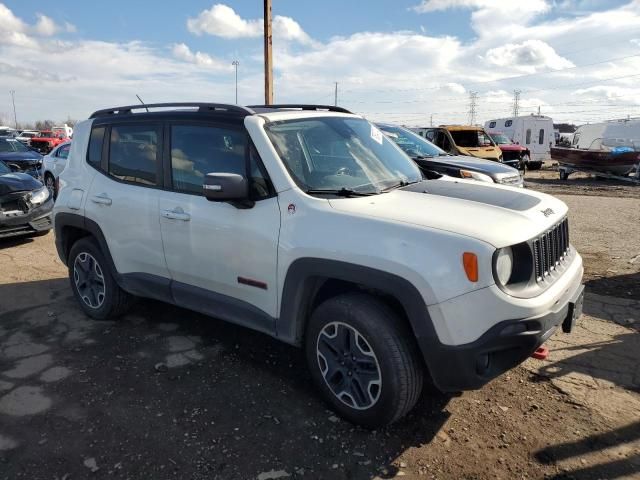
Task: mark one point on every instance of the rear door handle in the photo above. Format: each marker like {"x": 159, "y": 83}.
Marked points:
{"x": 176, "y": 214}
{"x": 102, "y": 199}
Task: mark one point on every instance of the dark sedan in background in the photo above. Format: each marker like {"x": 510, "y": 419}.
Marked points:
{"x": 431, "y": 158}
{"x": 20, "y": 158}
{"x": 25, "y": 204}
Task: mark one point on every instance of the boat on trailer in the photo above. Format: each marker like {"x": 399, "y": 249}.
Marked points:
{"x": 617, "y": 162}
{"x": 607, "y": 149}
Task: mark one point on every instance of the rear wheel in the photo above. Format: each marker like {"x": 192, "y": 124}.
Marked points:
{"x": 363, "y": 360}
{"x": 92, "y": 283}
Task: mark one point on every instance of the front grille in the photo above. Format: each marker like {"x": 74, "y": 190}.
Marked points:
{"x": 14, "y": 203}
{"x": 550, "y": 249}
{"x": 510, "y": 155}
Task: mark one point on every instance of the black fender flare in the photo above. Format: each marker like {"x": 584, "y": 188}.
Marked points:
{"x": 304, "y": 276}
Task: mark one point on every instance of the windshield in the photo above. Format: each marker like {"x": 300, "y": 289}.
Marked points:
{"x": 8, "y": 145}
{"x": 333, "y": 153}
{"x": 4, "y": 169}
{"x": 471, "y": 138}
{"x": 413, "y": 145}
{"x": 501, "y": 139}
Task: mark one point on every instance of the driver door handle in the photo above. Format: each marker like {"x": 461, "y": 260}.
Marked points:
{"x": 102, "y": 199}
{"x": 176, "y": 214}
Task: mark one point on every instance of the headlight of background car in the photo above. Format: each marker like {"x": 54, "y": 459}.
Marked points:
{"x": 40, "y": 196}
{"x": 476, "y": 176}
{"x": 504, "y": 265}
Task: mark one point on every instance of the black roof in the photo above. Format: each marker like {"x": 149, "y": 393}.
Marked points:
{"x": 223, "y": 108}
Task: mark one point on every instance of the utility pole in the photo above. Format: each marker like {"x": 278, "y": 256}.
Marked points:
{"x": 431, "y": 120}
{"x": 473, "y": 97}
{"x": 516, "y": 102}
{"x": 268, "y": 43}
{"x": 235, "y": 63}
{"x": 538, "y": 109}
{"x": 13, "y": 100}
{"x": 335, "y": 97}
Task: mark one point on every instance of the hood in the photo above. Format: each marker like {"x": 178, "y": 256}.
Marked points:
{"x": 492, "y": 153}
{"x": 511, "y": 147}
{"x": 490, "y": 167}
{"x": 17, "y": 182}
{"x": 19, "y": 156}
{"x": 500, "y": 216}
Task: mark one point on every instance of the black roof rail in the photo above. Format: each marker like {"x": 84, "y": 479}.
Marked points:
{"x": 300, "y": 106}
{"x": 202, "y": 107}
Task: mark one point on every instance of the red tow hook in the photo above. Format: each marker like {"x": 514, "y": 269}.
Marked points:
{"x": 541, "y": 353}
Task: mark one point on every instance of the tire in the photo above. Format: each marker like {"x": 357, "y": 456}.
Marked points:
{"x": 50, "y": 183}
{"x": 101, "y": 298}
{"x": 563, "y": 174}
{"x": 385, "y": 354}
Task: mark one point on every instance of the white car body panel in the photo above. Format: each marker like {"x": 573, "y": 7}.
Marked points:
{"x": 213, "y": 254}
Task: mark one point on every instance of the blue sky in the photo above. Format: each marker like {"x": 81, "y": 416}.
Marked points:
{"x": 394, "y": 60}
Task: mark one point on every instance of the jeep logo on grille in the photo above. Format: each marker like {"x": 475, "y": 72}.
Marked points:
{"x": 547, "y": 212}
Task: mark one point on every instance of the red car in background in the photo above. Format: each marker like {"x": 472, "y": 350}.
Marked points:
{"x": 514, "y": 151}
{"x": 50, "y": 139}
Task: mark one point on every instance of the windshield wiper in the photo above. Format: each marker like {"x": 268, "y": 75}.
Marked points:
{"x": 400, "y": 184}
{"x": 342, "y": 192}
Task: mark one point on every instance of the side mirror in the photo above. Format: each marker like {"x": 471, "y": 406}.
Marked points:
{"x": 225, "y": 187}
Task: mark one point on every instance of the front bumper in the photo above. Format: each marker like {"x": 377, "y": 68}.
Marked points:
{"x": 501, "y": 348}
{"x": 38, "y": 219}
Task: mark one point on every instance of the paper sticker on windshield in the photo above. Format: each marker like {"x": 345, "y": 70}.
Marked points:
{"x": 376, "y": 134}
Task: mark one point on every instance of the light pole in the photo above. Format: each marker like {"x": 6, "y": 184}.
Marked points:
{"x": 235, "y": 63}
{"x": 13, "y": 100}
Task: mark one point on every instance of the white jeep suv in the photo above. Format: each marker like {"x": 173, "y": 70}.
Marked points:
{"x": 308, "y": 224}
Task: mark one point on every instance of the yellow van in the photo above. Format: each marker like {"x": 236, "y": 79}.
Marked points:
{"x": 463, "y": 140}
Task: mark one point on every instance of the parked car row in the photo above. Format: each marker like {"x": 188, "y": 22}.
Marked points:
{"x": 42, "y": 141}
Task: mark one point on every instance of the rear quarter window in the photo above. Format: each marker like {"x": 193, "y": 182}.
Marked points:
{"x": 94, "y": 155}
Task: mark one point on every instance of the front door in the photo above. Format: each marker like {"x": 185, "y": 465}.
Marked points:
{"x": 216, "y": 252}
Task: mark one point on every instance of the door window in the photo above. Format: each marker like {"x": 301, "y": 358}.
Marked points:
{"x": 528, "y": 139}
{"x": 133, "y": 154}
{"x": 541, "y": 136}
{"x": 197, "y": 150}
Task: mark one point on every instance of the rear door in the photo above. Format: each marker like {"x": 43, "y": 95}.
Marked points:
{"x": 123, "y": 197}
{"x": 218, "y": 253}
{"x": 60, "y": 159}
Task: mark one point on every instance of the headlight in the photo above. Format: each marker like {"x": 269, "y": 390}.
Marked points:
{"x": 40, "y": 196}
{"x": 504, "y": 265}
{"x": 476, "y": 176}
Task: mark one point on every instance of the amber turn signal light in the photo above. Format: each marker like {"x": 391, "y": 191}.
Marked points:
{"x": 470, "y": 263}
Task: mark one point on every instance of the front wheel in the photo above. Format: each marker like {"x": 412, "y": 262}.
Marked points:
{"x": 50, "y": 183}
{"x": 363, "y": 360}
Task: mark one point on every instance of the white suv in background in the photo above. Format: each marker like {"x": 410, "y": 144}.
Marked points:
{"x": 308, "y": 224}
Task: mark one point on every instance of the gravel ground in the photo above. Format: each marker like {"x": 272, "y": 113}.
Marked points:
{"x": 167, "y": 393}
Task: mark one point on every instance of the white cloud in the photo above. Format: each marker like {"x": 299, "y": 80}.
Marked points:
{"x": 222, "y": 21}
{"x": 45, "y": 26}
{"x": 530, "y": 55}
{"x": 183, "y": 52}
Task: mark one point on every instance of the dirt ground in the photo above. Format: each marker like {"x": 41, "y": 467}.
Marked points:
{"x": 85, "y": 399}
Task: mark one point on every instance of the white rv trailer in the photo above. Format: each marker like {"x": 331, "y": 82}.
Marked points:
{"x": 532, "y": 131}
{"x": 608, "y": 135}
